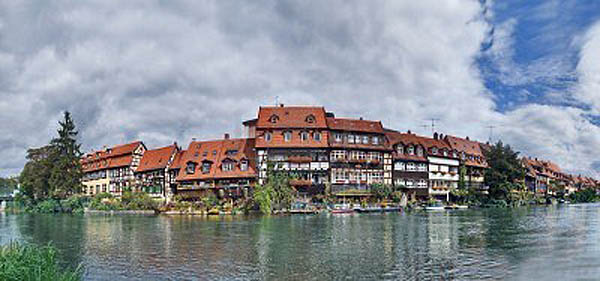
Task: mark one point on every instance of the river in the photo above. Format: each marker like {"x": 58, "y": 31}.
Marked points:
{"x": 553, "y": 242}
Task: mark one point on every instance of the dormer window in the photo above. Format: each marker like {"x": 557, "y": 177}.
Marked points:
{"x": 227, "y": 166}
{"x": 411, "y": 150}
{"x": 434, "y": 150}
{"x": 445, "y": 152}
{"x": 338, "y": 137}
{"x": 190, "y": 168}
{"x": 214, "y": 152}
{"x": 244, "y": 165}
{"x": 365, "y": 139}
{"x": 376, "y": 140}
{"x": 317, "y": 136}
{"x": 454, "y": 154}
{"x": 268, "y": 136}
{"x": 205, "y": 167}
{"x": 303, "y": 136}
{"x": 310, "y": 119}
{"x": 420, "y": 151}
{"x": 287, "y": 136}
{"x": 274, "y": 119}
{"x": 400, "y": 149}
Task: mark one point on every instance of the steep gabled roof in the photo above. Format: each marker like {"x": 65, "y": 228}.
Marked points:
{"x": 291, "y": 117}
{"x": 394, "y": 138}
{"x": 157, "y": 158}
{"x": 474, "y": 154}
{"x": 113, "y": 157}
{"x": 216, "y": 152}
{"x": 177, "y": 160}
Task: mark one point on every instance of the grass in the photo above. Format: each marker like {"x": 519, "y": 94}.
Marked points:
{"x": 29, "y": 262}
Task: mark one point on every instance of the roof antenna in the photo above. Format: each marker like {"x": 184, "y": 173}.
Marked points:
{"x": 433, "y": 120}
{"x": 276, "y": 100}
{"x": 491, "y": 127}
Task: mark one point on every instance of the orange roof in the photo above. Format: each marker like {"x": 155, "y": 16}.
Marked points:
{"x": 474, "y": 154}
{"x": 157, "y": 158}
{"x": 176, "y": 164}
{"x": 354, "y": 125}
{"x": 113, "y": 157}
{"x": 291, "y": 117}
{"x": 216, "y": 153}
{"x": 395, "y": 138}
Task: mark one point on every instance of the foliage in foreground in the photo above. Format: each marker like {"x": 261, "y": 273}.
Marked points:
{"x": 276, "y": 193}
{"x": 73, "y": 205}
{"x": 584, "y": 196}
{"x": 128, "y": 201}
{"x": 28, "y": 262}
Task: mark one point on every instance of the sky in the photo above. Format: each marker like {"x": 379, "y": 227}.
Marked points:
{"x": 166, "y": 71}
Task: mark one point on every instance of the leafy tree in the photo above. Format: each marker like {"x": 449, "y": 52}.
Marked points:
{"x": 66, "y": 173}
{"x": 462, "y": 174}
{"x": 276, "y": 192}
{"x": 504, "y": 171}
{"x": 382, "y": 191}
{"x": 35, "y": 176}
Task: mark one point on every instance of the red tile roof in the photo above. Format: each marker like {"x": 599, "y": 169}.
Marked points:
{"x": 216, "y": 152}
{"x": 395, "y": 138}
{"x": 157, "y": 158}
{"x": 354, "y": 125}
{"x": 113, "y": 157}
{"x": 470, "y": 148}
{"x": 176, "y": 164}
{"x": 291, "y": 117}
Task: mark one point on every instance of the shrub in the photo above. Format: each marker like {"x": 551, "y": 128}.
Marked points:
{"x": 74, "y": 204}
{"x": 138, "y": 201}
{"x": 27, "y": 262}
{"x": 48, "y": 206}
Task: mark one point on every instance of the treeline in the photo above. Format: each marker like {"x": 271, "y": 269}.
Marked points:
{"x": 52, "y": 172}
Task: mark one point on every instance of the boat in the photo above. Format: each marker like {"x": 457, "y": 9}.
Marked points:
{"x": 370, "y": 210}
{"x": 303, "y": 208}
{"x": 342, "y": 209}
{"x": 435, "y": 206}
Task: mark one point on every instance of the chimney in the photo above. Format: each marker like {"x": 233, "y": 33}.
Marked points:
{"x": 441, "y": 136}
{"x": 435, "y": 136}
{"x": 408, "y": 132}
{"x": 226, "y": 136}
{"x": 281, "y": 105}
{"x": 467, "y": 137}
{"x": 193, "y": 139}
{"x": 361, "y": 118}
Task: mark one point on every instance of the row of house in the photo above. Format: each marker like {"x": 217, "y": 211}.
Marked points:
{"x": 317, "y": 149}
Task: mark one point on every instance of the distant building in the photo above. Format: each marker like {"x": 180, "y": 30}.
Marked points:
{"x": 225, "y": 168}
{"x": 111, "y": 169}
{"x": 443, "y": 167}
{"x": 471, "y": 156}
{"x": 411, "y": 167}
{"x": 152, "y": 174}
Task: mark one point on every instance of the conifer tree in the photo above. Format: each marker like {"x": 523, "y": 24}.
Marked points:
{"x": 66, "y": 174}
{"x": 505, "y": 170}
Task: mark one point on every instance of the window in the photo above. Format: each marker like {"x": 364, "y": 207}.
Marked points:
{"x": 310, "y": 119}
{"x": 287, "y": 136}
{"x": 227, "y": 166}
{"x": 268, "y": 136}
{"x": 420, "y": 151}
{"x": 400, "y": 149}
{"x": 454, "y": 154}
{"x": 445, "y": 152}
{"x": 214, "y": 152}
{"x": 338, "y": 137}
{"x": 191, "y": 167}
{"x": 434, "y": 150}
{"x": 274, "y": 118}
{"x": 244, "y": 165}
{"x": 231, "y": 152}
{"x": 205, "y": 167}
{"x": 400, "y": 166}
{"x": 338, "y": 154}
{"x": 375, "y": 140}
{"x": 422, "y": 183}
{"x": 410, "y": 166}
{"x": 365, "y": 139}
{"x": 350, "y": 138}
{"x": 317, "y": 136}
{"x": 303, "y": 136}
{"x": 411, "y": 150}
{"x": 422, "y": 167}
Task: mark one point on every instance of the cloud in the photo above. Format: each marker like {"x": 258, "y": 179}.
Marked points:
{"x": 170, "y": 71}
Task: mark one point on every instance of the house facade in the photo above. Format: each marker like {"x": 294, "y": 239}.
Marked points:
{"x": 443, "y": 167}
{"x": 410, "y": 164}
{"x": 111, "y": 169}
{"x": 472, "y": 158}
{"x": 152, "y": 174}
{"x": 225, "y": 168}
{"x": 360, "y": 156}
{"x": 293, "y": 139}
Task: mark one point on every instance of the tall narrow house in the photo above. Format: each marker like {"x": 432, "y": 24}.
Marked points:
{"x": 360, "y": 156}
{"x": 153, "y": 172}
{"x": 410, "y": 169}
{"x": 112, "y": 169}
{"x": 443, "y": 167}
{"x": 292, "y": 139}
{"x": 471, "y": 156}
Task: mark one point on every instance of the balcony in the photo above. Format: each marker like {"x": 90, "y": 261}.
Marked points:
{"x": 300, "y": 182}
{"x": 299, "y": 159}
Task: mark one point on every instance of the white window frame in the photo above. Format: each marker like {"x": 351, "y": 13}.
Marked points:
{"x": 287, "y": 136}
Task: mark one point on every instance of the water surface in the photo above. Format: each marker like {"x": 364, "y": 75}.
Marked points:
{"x": 558, "y": 243}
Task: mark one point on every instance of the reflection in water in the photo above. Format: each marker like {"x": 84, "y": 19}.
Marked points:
{"x": 529, "y": 243}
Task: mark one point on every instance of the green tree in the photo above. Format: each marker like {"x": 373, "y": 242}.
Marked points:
{"x": 66, "y": 173}
{"x": 505, "y": 170}
{"x": 276, "y": 193}
{"x": 382, "y": 191}
{"x": 462, "y": 174}
{"x": 7, "y": 185}
{"x": 35, "y": 176}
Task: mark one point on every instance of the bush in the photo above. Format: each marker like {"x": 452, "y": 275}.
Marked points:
{"x": 74, "y": 204}
{"x": 105, "y": 202}
{"x": 138, "y": 201}
{"x": 47, "y": 206}
{"x": 27, "y": 262}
